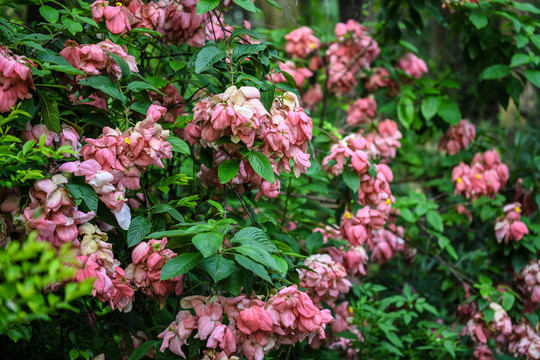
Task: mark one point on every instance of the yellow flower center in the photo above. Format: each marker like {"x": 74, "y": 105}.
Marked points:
{"x": 126, "y": 140}
{"x": 311, "y": 45}
{"x": 458, "y": 180}
{"x": 119, "y": 4}
{"x": 351, "y": 310}
{"x": 478, "y": 176}
{"x": 518, "y": 209}
{"x": 388, "y": 201}
{"x": 347, "y": 215}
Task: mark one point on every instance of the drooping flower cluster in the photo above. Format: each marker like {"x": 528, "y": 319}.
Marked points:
{"x": 96, "y": 260}
{"x": 354, "y": 51}
{"x": 94, "y": 59}
{"x": 380, "y": 79}
{"x": 509, "y": 227}
{"x": 458, "y": 137}
{"x": 476, "y": 326}
{"x": 239, "y": 115}
{"x": 115, "y": 160}
{"x": 15, "y": 79}
{"x": 327, "y": 280}
{"x": 362, "y": 111}
{"x": 358, "y": 228}
{"x": 354, "y": 260}
{"x": 375, "y": 191}
{"x": 254, "y": 327}
{"x": 412, "y": 65}
{"x": 52, "y": 211}
{"x": 299, "y": 74}
{"x": 529, "y": 284}
{"x": 301, "y": 42}
{"x": 353, "y": 147}
{"x": 386, "y": 243}
{"x": 171, "y": 100}
{"x": 145, "y": 271}
{"x": 486, "y": 176}
{"x": 67, "y": 137}
{"x": 384, "y": 143}
{"x": 524, "y": 341}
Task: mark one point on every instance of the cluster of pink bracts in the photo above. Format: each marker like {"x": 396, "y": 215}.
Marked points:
{"x": 509, "y": 227}
{"x": 254, "y": 326}
{"x": 486, "y": 176}
{"x": 362, "y": 111}
{"x": 115, "y": 160}
{"x": 528, "y": 280}
{"x": 15, "y": 79}
{"x": 458, "y": 137}
{"x": 239, "y": 115}
{"x": 301, "y": 43}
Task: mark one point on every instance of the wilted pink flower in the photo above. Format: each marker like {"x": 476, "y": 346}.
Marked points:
{"x": 301, "y": 42}
{"x": 458, "y": 137}
{"x": 354, "y": 147}
{"x": 354, "y": 260}
{"x": 483, "y": 352}
{"x": 15, "y": 79}
{"x": 412, "y": 65}
{"x": 362, "y": 111}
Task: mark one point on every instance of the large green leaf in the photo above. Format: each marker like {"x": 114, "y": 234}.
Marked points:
{"x": 218, "y": 267}
{"x": 142, "y": 350}
{"x": 124, "y": 67}
{"x": 429, "y": 106}
{"x": 104, "y": 84}
{"x": 258, "y": 254}
{"x": 254, "y": 235}
{"x": 180, "y": 265}
{"x": 84, "y": 193}
{"x": 50, "y": 14}
{"x": 179, "y": 145}
{"x": 228, "y": 169}
{"x": 138, "y": 229}
{"x": 208, "y": 243}
{"x": 244, "y": 50}
{"x": 405, "y": 111}
{"x": 204, "y": 6}
{"x": 449, "y": 111}
{"x": 247, "y": 4}
{"x": 207, "y": 57}
{"x": 262, "y": 166}
{"x": 351, "y": 179}
{"x": 252, "y": 266}
{"x": 495, "y": 72}
{"x": 49, "y": 112}
{"x": 533, "y": 76}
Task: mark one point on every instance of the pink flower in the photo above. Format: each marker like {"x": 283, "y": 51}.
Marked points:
{"x": 380, "y": 79}
{"x": 15, "y": 79}
{"x": 412, "y": 65}
{"x": 458, "y": 137}
{"x": 313, "y": 96}
{"x": 384, "y": 143}
{"x": 253, "y": 319}
{"x": 299, "y": 74}
{"x": 116, "y": 18}
{"x": 328, "y": 279}
{"x": 362, "y": 111}
{"x": 301, "y": 42}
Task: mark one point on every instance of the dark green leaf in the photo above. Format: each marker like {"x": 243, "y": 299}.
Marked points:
{"x": 124, "y": 67}
{"x": 243, "y": 31}
{"x": 218, "y": 267}
{"x": 351, "y": 179}
{"x": 314, "y": 242}
{"x": 495, "y": 72}
{"x": 142, "y": 350}
{"x": 246, "y": 4}
{"x": 179, "y": 145}
{"x": 208, "y": 243}
{"x": 64, "y": 69}
{"x": 180, "y": 265}
{"x": 162, "y": 208}
{"x": 73, "y": 26}
{"x": 257, "y": 254}
{"x": 525, "y": 7}
{"x": 49, "y": 112}
{"x": 85, "y": 193}
{"x": 435, "y": 220}
{"x": 252, "y": 266}
{"x": 519, "y": 59}
{"x": 104, "y": 84}
{"x": 253, "y": 234}
{"x": 478, "y": 19}
{"x": 228, "y": 169}
{"x": 139, "y": 86}
{"x": 204, "y": 6}
{"x": 244, "y": 50}
{"x": 50, "y": 14}
{"x": 405, "y": 111}
{"x": 262, "y": 166}
{"x": 533, "y": 76}
{"x": 138, "y": 229}
{"x": 449, "y": 111}
{"x": 207, "y": 57}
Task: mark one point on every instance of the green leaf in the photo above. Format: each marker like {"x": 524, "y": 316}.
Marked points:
{"x": 282, "y": 265}
{"x": 407, "y": 215}
{"x": 519, "y": 59}
{"x": 180, "y": 265}
{"x": 218, "y": 267}
{"x": 51, "y": 57}
{"x": 275, "y": 4}
{"x": 314, "y": 242}
{"x": 207, "y": 57}
{"x": 252, "y": 266}
{"x": 138, "y": 229}
{"x": 262, "y": 166}
{"x": 85, "y": 193}
{"x": 162, "y": 208}
{"x": 104, "y": 84}
{"x": 435, "y": 220}
{"x": 138, "y": 86}
{"x": 142, "y": 350}
{"x": 267, "y": 96}
{"x": 407, "y": 45}
{"x": 257, "y": 254}
{"x": 405, "y": 111}
{"x": 204, "y": 6}
{"x": 208, "y": 243}
{"x": 533, "y": 76}
{"x": 124, "y": 67}
{"x": 246, "y": 4}
{"x": 64, "y": 69}
{"x": 254, "y": 235}
{"x": 449, "y": 111}
{"x": 243, "y": 31}
{"x": 73, "y": 26}
{"x": 73, "y": 354}
{"x": 495, "y": 72}
{"x": 508, "y": 301}
{"x": 478, "y": 19}
{"x": 449, "y": 347}
{"x": 351, "y": 179}
{"x": 244, "y": 50}
{"x": 525, "y": 7}
{"x": 429, "y": 106}
{"x": 50, "y": 14}
{"x": 179, "y": 145}
{"x": 49, "y": 112}
{"x": 228, "y": 169}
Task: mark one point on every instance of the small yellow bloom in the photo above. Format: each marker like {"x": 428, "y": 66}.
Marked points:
{"x": 458, "y": 180}
{"x": 119, "y": 4}
{"x": 126, "y": 140}
{"x": 518, "y": 209}
{"x": 312, "y": 46}
{"x": 478, "y": 176}
{"x": 351, "y": 310}
{"x": 347, "y": 215}
{"x": 388, "y": 201}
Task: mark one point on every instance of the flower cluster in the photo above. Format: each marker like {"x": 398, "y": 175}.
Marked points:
{"x": 362, "y": 111}
{"x": 94, "y": 59}
{"x": 383, "y": 143}
{"x": 529, "y": 284}
{"x": 508, "y": 227}
{"x": 458, "y": 137}
{"x": 115, "y": 160}
{"x": 524, "y": 341}
{"x": 15, "y": 79}
{"x": 412, "y": 65}
{"x": 145, "y": 271}
{"x": 353, "y": 147}
{"x": 358, "y": 228}
{"x": 375, "y": 191}
{"x": 354, "y": 260}
{"x": 480, "y": 330}
{"x": 354, "y": 51}
{"x": 254, "y": 327}
{"x": 299, "y": 74}
{"x": 67, "y": 137}
{"x": 171, "y": 100}
{"x": 96, "y": 260}
{"x": 239, "y": 115}
{"x": 327, "y": 280}
{"x": 301, "y": 42}
{"x": 52, "y": 211}
{"x": 386, "y": 243}
{"x": 486, "y": 176}
{"x": 380, "y": 78}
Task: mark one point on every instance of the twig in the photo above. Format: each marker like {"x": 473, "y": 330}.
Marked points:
{"x": 243, "y": 204}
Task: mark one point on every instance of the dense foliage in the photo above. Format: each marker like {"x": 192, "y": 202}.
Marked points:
{"x": 176, "y": 184}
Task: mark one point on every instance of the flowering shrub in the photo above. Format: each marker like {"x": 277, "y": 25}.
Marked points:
{"x": 176, "y": 184}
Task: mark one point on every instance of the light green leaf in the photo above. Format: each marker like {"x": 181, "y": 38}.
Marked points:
{"x": 519, "y": 59}
{"x": 73, "y": 26}
{"x": 429, "y": 106}
{"x": 256, "y": 236}
{"x": 435, "y": 220}
{"x": 138, "y": 229}
{"x": 478, "y": 19}
{"x": 50, "y": 14}
{"x": 228, "y": 169}
{"x": 405, "y": 111}
{"x": 262, "y": 166}
{"x": 495, "y": 72}
{"x": 204, "y": 6}
{"x": 252, "y": 266}
{"x": 179, "y": 145}
{"x": 449, "y": 111}
{"x": 533, "y": 76}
